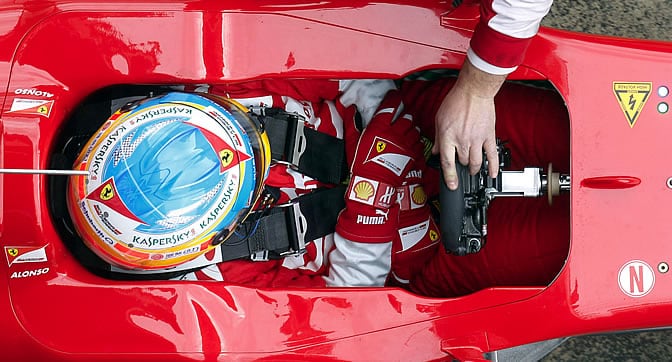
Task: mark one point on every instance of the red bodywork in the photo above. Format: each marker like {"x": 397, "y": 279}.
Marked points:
{"x": 59, "y": 52}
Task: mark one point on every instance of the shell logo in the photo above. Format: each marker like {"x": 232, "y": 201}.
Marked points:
{"x": 419, "y": 196}
{"x": 363, "y": 190}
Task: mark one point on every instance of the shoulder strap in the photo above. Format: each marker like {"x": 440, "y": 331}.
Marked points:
{"x": 285, "y": 230}
{"x": 312, "y": 153}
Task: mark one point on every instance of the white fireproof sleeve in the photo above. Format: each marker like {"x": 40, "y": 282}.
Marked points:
{"x": 354, "y": 264}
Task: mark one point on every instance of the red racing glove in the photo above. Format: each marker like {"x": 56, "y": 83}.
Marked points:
{"x": 387, "y": 149}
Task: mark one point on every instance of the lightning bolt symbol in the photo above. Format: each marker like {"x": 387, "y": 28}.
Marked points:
{"x": 631, "y": 102}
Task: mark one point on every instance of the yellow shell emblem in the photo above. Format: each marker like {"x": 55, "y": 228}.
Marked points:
{"x": 363, "y": 190}
{"x": 419, "y": 196}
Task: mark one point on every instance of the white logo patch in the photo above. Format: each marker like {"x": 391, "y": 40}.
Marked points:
{"x": 392, "y": 161}
{"x": 411, "y": 235}
{"x": 636, "y": 278}
{"x": 25, "y": 254}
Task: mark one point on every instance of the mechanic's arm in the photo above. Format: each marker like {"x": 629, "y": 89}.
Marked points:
{"x": 465, "y": 121}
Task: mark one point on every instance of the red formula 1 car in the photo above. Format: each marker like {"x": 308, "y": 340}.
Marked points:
{"x": 59, "y": 57}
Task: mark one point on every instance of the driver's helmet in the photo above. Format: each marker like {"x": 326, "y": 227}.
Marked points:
{"x": 166, "y": 175}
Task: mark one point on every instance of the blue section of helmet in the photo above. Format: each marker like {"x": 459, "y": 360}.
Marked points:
{"x": 164, "y": 178}
{"x": 168, "y": 174}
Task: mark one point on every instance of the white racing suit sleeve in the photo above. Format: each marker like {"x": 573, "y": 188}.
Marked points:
{"x": 365, "y": 94}
{"x": 354, "y": 264}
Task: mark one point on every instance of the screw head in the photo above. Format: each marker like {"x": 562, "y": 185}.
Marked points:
{"x": 663, "y": 107}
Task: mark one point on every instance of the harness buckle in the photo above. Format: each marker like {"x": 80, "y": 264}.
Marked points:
{"x": 297, "y": 227}
{"x": 261, "y": 255}
{"x": 299, "y": 145}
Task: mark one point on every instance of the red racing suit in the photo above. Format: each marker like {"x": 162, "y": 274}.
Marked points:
{"x": 528, "y": 239}
{"x": 386, "y": 234}
{"x": 329, "y": 107}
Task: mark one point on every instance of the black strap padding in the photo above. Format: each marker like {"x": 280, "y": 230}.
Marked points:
{"x": 320, "y": 210}
{"x": 268, "y": 232}
{"x": 276, "y": 129}
{"x": 324, "y": 157}
{"x": 313, "y": 153}
{"x": 286, "y": 230}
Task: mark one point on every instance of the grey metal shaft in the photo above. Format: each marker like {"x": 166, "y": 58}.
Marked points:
{"x": 27, "y": 171}
{"x": 526, "y": 183}
{"x": 530, "y": 182}
{"x": 565, "y": 182}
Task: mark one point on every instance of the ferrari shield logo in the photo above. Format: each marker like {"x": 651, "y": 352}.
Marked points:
{"x": 25, "y": 254}
{"x": 380, "y": 146}
{"x": 226, "y": 156}
{"x": 107, "y": 192}
{"x": 31, "y": 107}
{"x": 632, "y": 97}
{"x": 388, "y": 155}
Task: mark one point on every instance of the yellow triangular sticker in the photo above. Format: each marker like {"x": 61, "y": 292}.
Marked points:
{"x": 632, "y": 96}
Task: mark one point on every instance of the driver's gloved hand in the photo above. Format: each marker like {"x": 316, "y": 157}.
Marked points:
{"x": 388, "y": 148}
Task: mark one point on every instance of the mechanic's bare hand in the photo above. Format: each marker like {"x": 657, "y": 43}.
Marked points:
{"x": 465, "y": 124}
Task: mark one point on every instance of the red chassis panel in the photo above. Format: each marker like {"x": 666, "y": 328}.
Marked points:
{"x": 58, "y": 53}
